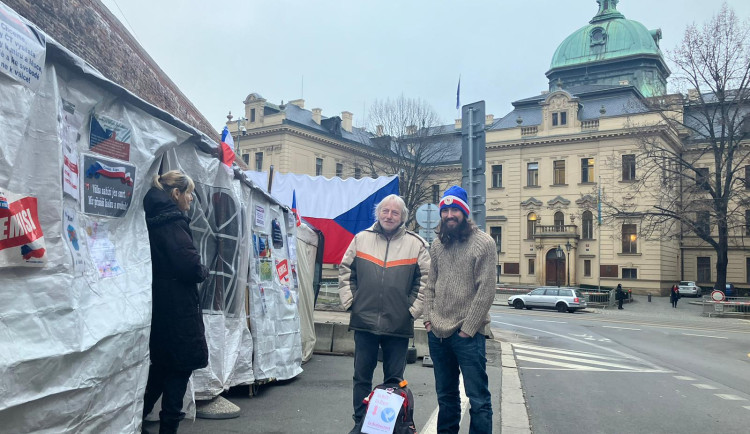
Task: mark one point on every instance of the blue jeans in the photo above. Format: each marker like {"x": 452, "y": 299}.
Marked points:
{"x": 366, "y": 358}
{"x": 449, "y": 355}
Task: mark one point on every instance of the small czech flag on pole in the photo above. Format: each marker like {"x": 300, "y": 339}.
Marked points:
{"x": 294, "y": 208}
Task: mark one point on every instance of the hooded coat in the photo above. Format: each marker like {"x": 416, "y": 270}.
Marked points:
{"x": 177, "y": 333}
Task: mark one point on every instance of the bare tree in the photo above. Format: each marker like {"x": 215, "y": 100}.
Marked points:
{"x": 693, "y": 160}
{"x": 410, "y": 142}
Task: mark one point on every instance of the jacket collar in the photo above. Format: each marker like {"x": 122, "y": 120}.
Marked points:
{"x": 379, "y": 230}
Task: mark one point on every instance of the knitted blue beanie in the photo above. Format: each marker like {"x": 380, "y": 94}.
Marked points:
{"x": 455, "y": 197}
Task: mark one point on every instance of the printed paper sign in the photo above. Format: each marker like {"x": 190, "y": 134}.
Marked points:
{"x": 382, "y": 412}
{"x": 282, "y": 270}
{"x": 70, "y": 124}
{"x": 22, "y": 49}
{"x": 102, "y": 249}
{"x": 109, "y": 137}
{"x": 21, "y": 237}
{"x": 72, "y": 234}
{"x": 107, "y": 186}
{"x": 260, "y": 216}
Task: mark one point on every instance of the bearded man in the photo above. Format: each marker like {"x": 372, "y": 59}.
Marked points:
{"x": 460, "y": 290}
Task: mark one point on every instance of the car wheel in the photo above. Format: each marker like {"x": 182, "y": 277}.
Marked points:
{"x": 518, "y": 304}
{"x": 561, "y": 307}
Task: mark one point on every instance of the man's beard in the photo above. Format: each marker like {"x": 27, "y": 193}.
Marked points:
{"x": 449, "y": 235}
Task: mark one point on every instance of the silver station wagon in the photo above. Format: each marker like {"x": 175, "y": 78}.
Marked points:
{"x": 550, "y": 297}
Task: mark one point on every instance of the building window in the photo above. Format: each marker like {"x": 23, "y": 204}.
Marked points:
{"x": 587, "y": 221}
{"x": 497, "y": 176}
{"x": 531, "y": 220}
{"x": 318, "y": 166}
{"x": 587, "y": 267}
{"x": 532, "y": 178}
{"x": 587, "y": 170}
{"x": 747, "y": 269}
{"x": 435, "y": 193}
{"x": 628, "y": 167}
{"x": 496, "y": 232}
{"x": 357, "y": 173}
{"x": 703, "y": 223}
{"x": 559, "y": 221}
{"x": 629, "y": 239}
{"x": 630, "y": 273}
{"x": 246, "y": 158}
{"x": 701, "y": 177}
{"x": 258, "y": 161}
{"x": 559, "y": 118}
{"x": 532, "y": 271}
{"x": 747, "y": 177}
{"x": 339, "y": 169}
{"x": 559, "y": 172}
{"x": 252, "y": 115}
{"x": 747, "y": 222}
{"x": 704, "y": 269}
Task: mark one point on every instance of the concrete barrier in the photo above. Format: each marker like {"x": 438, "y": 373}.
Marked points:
{"x": 323, "y": 337}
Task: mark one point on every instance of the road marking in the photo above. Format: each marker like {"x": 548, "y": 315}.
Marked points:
{"x": 705, "y": 336}
{"x": 589, "y": 337}
{"x": 431, "y": 426}
{"x": 561, "y": 359}
{"x": 546, "y": 320}
{"x": 680, "y": 377}
{"x": 730, "y": 397}
{"x": 566, "y": 352}
{"x": 705, "y": 386}
{"x": 746, "y": 407}
{"x": 620, "y": 328}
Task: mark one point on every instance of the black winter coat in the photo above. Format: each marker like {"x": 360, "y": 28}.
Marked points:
{"x": 177, "y": 335}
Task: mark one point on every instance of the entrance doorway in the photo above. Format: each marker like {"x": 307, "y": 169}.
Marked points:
{"x": 555, "y": 267}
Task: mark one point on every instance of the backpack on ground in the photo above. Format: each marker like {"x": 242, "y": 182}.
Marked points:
{"x": 405, "y": 418}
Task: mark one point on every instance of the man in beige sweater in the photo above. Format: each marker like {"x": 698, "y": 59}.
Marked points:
{"x": 459, "y": 293}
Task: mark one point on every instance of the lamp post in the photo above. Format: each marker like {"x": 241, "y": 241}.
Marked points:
{"x": 497, "y": 266}
{"x": 558, "y": 255}
{"x": 567, "y": 247}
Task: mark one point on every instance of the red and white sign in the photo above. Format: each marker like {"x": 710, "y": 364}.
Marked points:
{"x": 717, "y": 295}
{"x": 282, "y": 269}
{"x": 21, "y": 237}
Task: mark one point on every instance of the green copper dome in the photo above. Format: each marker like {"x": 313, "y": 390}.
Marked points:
{"x": 608, "y": 36}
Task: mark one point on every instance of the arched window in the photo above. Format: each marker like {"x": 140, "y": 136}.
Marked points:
{"x": 531, "y": 221}
{"x": 588, "y": 225}
{"x": 559, "y": 221}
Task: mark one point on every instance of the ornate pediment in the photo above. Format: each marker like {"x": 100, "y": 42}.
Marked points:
{"x": 587, "y": 201}
{"x": 532, "y": 201}
{"x": 559, "y": 200}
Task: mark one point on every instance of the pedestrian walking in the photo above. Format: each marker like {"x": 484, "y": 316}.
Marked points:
{"x": 674, "y": 295}
{"x": 382, "y": 278}
{"x": 177, "y": 342}
{"x": 619, "y": 295}
{"x": 459, "y": 294}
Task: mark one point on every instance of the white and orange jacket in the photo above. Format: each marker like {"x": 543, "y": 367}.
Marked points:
{"x": 382, "y": 281}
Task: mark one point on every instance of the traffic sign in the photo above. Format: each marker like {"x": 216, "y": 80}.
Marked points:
{"x": 428, "y": 216}
{"x": 428, "y": 235}
{"x": 717, "y": 295}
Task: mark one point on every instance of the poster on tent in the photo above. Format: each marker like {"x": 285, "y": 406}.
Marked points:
{"x": 107, "y": 186}
{"x": 22, "y": 51}
{"x": 109, "y": 137}
{"x": 72, "y": 231}
{"x": 69, "y": 130}
{"x": 101, "y": 249}
{"x": 21, "y": 237}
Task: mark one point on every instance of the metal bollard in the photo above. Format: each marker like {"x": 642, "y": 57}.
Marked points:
{"x": 649, "y": 297}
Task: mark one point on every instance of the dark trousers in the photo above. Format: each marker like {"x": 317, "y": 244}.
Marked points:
{"x": 366, "y": 358}
{"x": 467, "y": 355}
{"x": 171, "y": 386}
{"x": 674, "y": 302}
{"x": 619, "y": 302}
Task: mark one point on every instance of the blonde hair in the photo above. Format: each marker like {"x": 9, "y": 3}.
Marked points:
{"x": 174, "y": 179}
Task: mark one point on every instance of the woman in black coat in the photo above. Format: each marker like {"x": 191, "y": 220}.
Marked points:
{"x": 674, "y": 295}
{"x": 177, "y": 344}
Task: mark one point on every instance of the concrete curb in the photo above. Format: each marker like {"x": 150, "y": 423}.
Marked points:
{"x": 513, "y": 414}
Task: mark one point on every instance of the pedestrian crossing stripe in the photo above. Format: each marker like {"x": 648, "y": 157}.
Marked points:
{"x": 560, "y": 359}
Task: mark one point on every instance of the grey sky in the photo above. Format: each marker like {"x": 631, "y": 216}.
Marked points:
{"x": 351, "y": 53}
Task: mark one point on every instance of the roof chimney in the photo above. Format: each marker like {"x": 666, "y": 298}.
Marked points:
{"x": 346, "y": 121}
{"x": 458, "y": 123}
{"x": 411, "y": 130}
{"x": 298, "y": 102}
{"x": 489, "y": 119}
{"x": 316, "y": 115}
{"x": 693, "y": 95}
{"x": 379, "y": 131}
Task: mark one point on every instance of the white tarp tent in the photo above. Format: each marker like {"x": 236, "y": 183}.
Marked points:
{"x": 75, "y": 321}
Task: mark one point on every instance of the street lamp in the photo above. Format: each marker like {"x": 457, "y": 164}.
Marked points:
{"x": 559, "y": 254}
{"x": 497, "y": 266}
{"x": 567, "y": 247}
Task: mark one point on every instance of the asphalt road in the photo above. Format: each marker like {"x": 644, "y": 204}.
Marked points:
{"x": 660, "y": 371}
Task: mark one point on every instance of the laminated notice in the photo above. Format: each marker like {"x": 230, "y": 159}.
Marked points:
{"x": 21, "y": 236}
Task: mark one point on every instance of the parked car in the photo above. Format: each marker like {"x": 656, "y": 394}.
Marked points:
{"x": 550, "y": 297}
{"x": 688, "y": 287}
{"x": 728, "y": 290}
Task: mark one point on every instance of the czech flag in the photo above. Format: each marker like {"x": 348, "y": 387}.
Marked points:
{"x": 294, "y": 208}
{"x": 226, "y": 150}
{"x": 340, "y": 208}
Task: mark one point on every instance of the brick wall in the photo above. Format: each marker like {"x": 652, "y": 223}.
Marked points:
{"x": 88, "y": 29}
